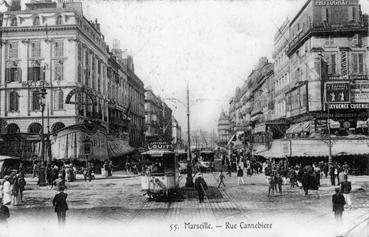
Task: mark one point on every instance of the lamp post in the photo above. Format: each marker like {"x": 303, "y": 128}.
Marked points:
{"x": 329, "y": 137}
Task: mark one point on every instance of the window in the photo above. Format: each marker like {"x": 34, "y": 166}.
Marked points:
{"x": 13, "y": 50}
{"x": 331, "y": 61}
{"x": 14, "y": 22}
{"x": 36, "y": 105}
{"x": 59, "y": 71}
{"x": 58, "y": 100}
{"x": 325, "y": 14}
{"x": 358, "y": 63}
{"x": 59, "y": 20}
{"x": 13, "y": 74}
{"x": 13, "y": 101}
{"x": 35, "y": 49}
{"x": 59, "y": 49}
{"x": 36, "y": 21}
{"x": 34, "y": 73}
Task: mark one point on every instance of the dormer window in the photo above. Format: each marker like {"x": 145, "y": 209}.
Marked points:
{"x": 59, "y": 20}
{"x": 14, "y": 21}
{"x": 36, "y": 21}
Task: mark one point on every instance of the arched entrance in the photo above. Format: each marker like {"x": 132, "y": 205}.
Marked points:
{"x": 12, "y": 129}
{"x": 57, "y": 126}
{"x": 35, "y": 128}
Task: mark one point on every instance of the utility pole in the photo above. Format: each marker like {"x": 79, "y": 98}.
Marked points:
{"x": 329, "y": 138}
{"x": 189, "y": 179}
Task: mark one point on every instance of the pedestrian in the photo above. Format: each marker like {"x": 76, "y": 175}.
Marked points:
{"x": 59, "y": 183}
{"x": 338, "y": 202}
{"x": 4, "y": 215}
{"x": 6, "y": 191}
{"x": 332, "y": 175}
{"x": 271, "y": 184}
{"x": 35, "y": 169}
{"x": 61, "y": 205}
{"x": 346, "y": 189}
{"x": 15, "y": 194}
{"x": 201, "y": 187}
{"x": 341, "y": 176}
{"x": 22, "y": 185}
{"x": 229, "y": 169}
{"x": 221, "y": 179}
{"x": 279, "y": 181}
{"x": 240, "y": 176}
{"x": 305, "y": 182}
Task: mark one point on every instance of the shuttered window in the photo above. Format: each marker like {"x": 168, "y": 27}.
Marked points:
{"x": 58, "y": 100}
{"x": 13, "y": 101}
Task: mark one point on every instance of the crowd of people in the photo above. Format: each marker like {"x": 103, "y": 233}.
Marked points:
{"x": 12, "y": 187}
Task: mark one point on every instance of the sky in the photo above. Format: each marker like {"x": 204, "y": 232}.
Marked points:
{"x": 211, "y": 45}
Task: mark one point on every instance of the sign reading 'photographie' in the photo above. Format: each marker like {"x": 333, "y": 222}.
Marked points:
{"x": 335, "y": 2}
{"x": 337, "y": 92}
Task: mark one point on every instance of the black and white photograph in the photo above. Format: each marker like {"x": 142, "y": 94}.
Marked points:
{"x": 184, "y": 118}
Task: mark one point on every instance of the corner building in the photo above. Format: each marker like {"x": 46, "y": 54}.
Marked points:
{"x": 51, "y": 45}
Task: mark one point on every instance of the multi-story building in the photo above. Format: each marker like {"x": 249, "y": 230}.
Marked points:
{"x": 50, "y": 47}
{"x": 328, "y": 64}
{"x": 224, "y": 133}
{"x": 158, "y": 118}
{"x": 319, "y": 85}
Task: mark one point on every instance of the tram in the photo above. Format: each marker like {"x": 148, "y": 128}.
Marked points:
{"x": 206, "y": 160}
{"x": 161, "y": 174}
{"x": 182, "y": 160}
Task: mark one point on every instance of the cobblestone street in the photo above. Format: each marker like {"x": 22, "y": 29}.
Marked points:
{"x": 119, "y": 201}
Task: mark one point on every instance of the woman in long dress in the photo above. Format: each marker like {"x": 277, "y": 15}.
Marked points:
{"x": 6, "y": 191}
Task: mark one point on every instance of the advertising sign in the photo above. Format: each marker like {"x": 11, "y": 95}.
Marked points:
{"x": 337, "y": 92}
{"x": 335, "y": 2}
{"x": 160, "y": 146}
{"x": 360, "y": 92}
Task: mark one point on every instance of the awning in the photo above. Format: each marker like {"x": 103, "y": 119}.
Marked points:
{"x": 316, "y": 147}
{"x": 299, "y": 127}
{"x": 118, "y": 147}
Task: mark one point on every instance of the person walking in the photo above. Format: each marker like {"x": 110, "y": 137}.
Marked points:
{"x": 332, "y": 175}
{"x": 59, "y": 183}
{"x": 6, "y": 191}
{"x": 229, "y": 168}
{"x": 61, "y": 206}
{"x": 16, "y": 196}
{"x": 221, "y": 179}
{"x": 201, "y": 187}
{"x": 240, "y": 176}
{"x": 305, "y": 182}
{"x": 341, "y": 176}
{"x": 346, "y": 189}
{"x": 338, "y": 202}
{"x": 22, "y": 184}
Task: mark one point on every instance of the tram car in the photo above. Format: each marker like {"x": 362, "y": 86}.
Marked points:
{"x": 161, "y": 175}
{"x": 206, "y": 160}
{"x": 182, "y": 160}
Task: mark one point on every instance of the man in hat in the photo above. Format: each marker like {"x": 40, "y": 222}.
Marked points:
{"x": 200, "y": 186}
{"x": 61, "y": 206}
{"x": 338, "y": 201}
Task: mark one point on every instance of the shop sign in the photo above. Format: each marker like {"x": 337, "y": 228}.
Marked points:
{"x": 337, "y": 92}
{"x": 335, "y": 2}
{"x": 349, "y": 106}
{"x": 160, "y": 146}
{"x": 360, "y": 92}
